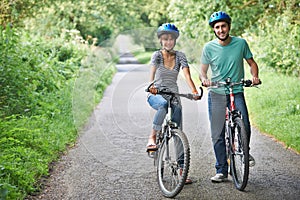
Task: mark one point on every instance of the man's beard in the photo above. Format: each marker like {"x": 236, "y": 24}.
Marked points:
{"x": 222, "y": 39}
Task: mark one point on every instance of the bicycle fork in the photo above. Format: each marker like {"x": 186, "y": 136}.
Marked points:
{"x": 229, "y": 134}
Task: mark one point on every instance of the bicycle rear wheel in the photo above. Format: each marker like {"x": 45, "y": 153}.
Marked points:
{"x": 239, "y": 157}
{"x": 173, "y": 163}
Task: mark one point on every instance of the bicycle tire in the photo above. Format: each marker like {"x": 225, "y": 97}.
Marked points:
{"x": 173, "y": 163}
{"x": 239, "y": 157}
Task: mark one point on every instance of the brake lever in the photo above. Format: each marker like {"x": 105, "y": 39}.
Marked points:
{"x": 201, "y": 92}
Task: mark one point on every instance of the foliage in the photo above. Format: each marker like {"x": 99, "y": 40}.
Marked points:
{"x": 68, "y": 16}
{"x": 145, "y": 37}
{"x": 156, "y": 12}
{"x": 14, "y": 12}
{"x": 274, "y": 48}
{"x": 96, "y": 20}
{"x": 37, "y": 96}
{"x": 32, "y": 69}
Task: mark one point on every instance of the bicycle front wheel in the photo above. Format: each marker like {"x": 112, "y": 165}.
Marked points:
{"x": 173, "y": 163}
{"x": 240, "y": 154}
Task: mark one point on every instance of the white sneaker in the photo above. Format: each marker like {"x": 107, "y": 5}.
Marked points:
{"x": 218, "y": 178}
{"x": 251, "y": 161}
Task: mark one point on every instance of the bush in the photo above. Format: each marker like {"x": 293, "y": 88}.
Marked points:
{"x": 280, "y": 51}
{"x": 37, "y": 104}
{"x": 32, "y": 69}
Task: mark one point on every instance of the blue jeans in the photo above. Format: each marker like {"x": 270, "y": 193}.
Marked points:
{"x": 160, "y": 104}
{"x": 216, "y": 109}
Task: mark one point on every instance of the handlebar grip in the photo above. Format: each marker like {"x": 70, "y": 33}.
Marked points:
{"x": 247, "y": 83}
{"x": 148, "y": 88}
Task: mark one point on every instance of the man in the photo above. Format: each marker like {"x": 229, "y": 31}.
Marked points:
{"x": 225, "y": 56}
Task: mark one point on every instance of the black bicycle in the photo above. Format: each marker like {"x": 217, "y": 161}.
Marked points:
{"x": 172, "y": 159}
{"x": 237, "y": 145}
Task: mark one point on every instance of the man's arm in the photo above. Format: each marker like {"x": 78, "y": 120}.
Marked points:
{"x": 203, "y": 75}
{"x": 254, "y": 70}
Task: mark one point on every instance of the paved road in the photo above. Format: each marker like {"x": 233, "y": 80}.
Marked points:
{"x": 109, "y": 160}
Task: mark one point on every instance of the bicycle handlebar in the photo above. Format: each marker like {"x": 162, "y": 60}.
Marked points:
{"x": 228, "y": 83}
{"x": 165, "y": 90}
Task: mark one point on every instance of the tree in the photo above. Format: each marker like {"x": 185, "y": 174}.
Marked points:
{"x": 14, "y": 12}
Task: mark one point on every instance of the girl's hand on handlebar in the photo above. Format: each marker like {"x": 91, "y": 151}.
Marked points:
{"x": 196, "y": 95}
{"x": 153, "y": 90}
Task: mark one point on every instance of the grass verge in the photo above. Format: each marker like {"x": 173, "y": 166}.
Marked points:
{"x": 275, "y": 108}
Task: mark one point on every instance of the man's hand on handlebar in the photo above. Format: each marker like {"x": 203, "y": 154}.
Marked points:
{"x": 206, "y": 83}
{"x": 256, "y": 81}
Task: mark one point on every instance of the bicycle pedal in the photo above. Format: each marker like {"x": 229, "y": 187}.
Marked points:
{"x": 151, "y": 153}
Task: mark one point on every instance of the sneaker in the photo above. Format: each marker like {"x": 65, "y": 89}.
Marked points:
{"x": 218, "y": 178}
{"x": 251, "y": 161}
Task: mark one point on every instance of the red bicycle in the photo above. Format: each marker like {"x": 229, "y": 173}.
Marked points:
{"x": 236, "y": 136}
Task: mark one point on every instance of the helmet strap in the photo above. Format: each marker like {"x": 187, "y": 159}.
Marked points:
{"x": 172, "y": 51}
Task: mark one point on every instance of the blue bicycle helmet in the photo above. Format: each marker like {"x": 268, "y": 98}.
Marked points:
{"x": 168, "y": 28}
{"x": 219, "y": 16}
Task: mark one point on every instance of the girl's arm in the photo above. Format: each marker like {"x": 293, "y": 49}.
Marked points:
{"x": 152, "y": 73}
{"x": 187, "y": 74}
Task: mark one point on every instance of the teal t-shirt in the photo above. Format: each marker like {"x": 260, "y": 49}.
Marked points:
{"x": 226, "y": 61}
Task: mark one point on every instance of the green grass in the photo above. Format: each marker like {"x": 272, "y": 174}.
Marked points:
{"x": 29, "y": 144}
{"x": 143, "y": 57}
{"x": 274, "y": 108}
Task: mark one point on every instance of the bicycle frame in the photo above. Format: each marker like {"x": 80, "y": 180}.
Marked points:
{"x": 168, "y": 124}
{"x": 232, "y": 108}
{"x": 168, "y": 119}
{"x": 231, "y": 114}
